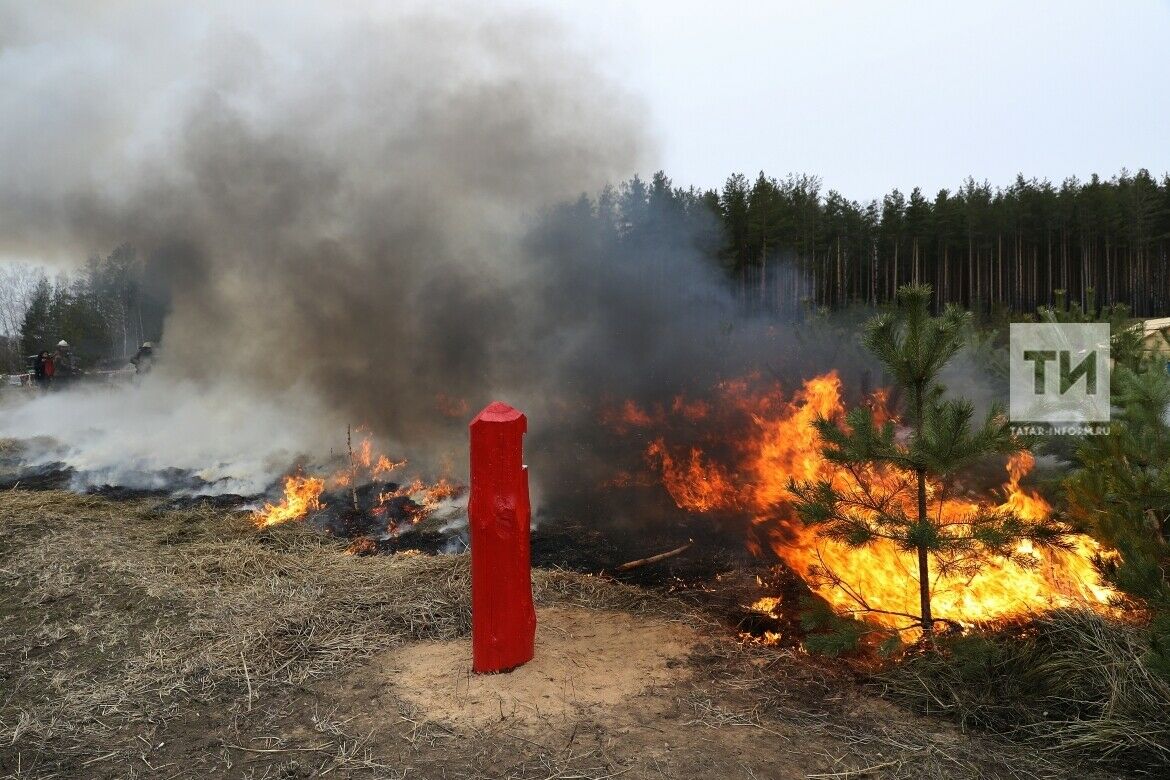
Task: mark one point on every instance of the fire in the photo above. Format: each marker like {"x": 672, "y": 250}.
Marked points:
{"x": 693, "y": 485}
{"x": 766, "y": 605}
{"x": 303, "y": 495}
{"x": 691, "y": 410}
{"x": 879, "y": 581}
{"x": 627, "y": 416}
{"x": 441, "y": 491}
{"x": 385, "y": 465}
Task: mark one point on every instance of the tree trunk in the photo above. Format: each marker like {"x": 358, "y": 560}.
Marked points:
{"x": 923, "y": 555}
{"x": 894, "y": 280}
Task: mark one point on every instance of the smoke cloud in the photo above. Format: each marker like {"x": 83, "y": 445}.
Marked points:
{"x": 348, "y": 211}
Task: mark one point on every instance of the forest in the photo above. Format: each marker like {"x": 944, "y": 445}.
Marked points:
{"x": 783, "y": 244}
{"x": 786, "y": 242}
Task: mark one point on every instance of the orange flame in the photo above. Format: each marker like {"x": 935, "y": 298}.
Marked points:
{"x": 302, "y": 495}
{"x": 880, "y": 580}
{"x": 385, "y": 465}
{"x": 693, "y": 485}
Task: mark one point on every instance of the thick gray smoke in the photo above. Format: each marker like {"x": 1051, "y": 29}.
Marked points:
{"x": 334, "y": 195}
{"x": 352, "y": 204}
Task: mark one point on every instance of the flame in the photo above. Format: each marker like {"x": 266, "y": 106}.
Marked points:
{"x": 691, "y": 410}
{"x": 441, "y": 491}
{"x": 365, "y": 453}
{"x": 879, "y": 581}
{"x": 766, "y": 605}
{"x": 303, "y": 494}
{"x": 693, "y": 485}
{"x": 362, "y": 546}
{"x": 385, "y": 465}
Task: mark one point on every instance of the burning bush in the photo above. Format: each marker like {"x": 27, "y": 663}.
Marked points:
{"x": 888, "y": 488}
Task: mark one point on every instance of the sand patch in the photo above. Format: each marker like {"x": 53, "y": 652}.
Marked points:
{"x": 585, "y": 660}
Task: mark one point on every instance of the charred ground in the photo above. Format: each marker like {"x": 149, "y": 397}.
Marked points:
{"x": 715, "y": 573}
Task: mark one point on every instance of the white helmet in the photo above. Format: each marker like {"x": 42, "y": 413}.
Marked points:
{"x": 62, "y": 343}
{"x": 148, "y": 345}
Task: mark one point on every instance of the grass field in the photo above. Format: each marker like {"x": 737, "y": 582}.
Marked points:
{"x": 137, "y": 642}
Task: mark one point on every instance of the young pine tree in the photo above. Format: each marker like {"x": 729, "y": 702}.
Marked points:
{"x": 941, "y": 441}
{"x": 1120, "y": 492}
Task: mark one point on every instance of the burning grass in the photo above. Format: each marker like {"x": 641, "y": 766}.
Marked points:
{"x": 360, "y": 492}
{"x": 142, "y": 642}
{"x": 764, "y": 436}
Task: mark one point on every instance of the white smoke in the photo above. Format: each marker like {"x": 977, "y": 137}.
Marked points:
{"x": 165, "y": 433}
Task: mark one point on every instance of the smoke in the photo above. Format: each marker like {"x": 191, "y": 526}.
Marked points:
{"x": 167, "y": 434}
{"x": 350, "y": 215}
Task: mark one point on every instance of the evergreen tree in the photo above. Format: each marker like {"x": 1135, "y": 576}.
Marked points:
{"x": 103, "y": 311}
{"x": 943, "y": 439}
{"x": 989, "y": 250}
{"x": 734, "y": 207}
{"x": 37, "y": 328}
{"x": 1120, "y": 492}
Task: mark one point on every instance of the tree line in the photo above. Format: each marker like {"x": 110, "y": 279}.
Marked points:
{"x": 784, "y": 245}
{"x": 785, "y": 242}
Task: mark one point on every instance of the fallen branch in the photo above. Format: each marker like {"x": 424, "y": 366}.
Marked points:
{"x": 656, "y": 558}
{"x": 247, "y": 677}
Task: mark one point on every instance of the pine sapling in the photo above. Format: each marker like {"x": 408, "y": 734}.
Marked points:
{"x": 941, "y": 439}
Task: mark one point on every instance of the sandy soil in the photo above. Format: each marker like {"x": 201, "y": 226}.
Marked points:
{"x": 586, "y": 665}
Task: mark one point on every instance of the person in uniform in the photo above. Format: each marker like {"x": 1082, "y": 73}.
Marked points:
{"x": 65, "y": 368}
{"x": 143, "y": 360}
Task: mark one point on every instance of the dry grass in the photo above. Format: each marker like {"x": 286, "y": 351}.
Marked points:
{"x": 1071, "y": 683}
{"x": 118, "y": 616}
{"x": 176, "y": 608}
{"x": 819, "y": 707}
{"x": 142, "y": 643}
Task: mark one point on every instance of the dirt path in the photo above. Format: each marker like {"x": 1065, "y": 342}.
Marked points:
{"x": 140, "y": 643}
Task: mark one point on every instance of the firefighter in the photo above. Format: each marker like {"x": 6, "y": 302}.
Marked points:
{"x": 65, "y": 368}
{"x": 143, "y": 360}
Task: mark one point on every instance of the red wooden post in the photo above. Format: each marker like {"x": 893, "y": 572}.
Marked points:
{"x": 503, "y": 621}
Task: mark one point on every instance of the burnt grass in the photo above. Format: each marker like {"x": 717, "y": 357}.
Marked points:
{"x": 140, "y": 640}
{"x": 715, "y": 578}
{"x": 716, "y": 573}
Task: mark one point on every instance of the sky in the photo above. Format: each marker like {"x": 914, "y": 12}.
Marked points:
{"x": 868, "y": 96}
{"x": 876, "y": 95}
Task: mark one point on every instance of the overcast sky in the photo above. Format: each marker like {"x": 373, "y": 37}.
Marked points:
{"x": 873, "y": 95}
